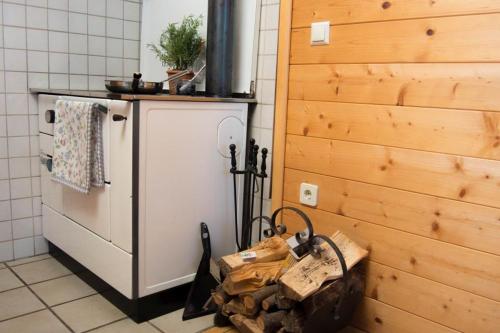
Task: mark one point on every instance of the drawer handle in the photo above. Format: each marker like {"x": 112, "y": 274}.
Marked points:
{"x": 119, "y": 117}
{"x": 50, "y": 116}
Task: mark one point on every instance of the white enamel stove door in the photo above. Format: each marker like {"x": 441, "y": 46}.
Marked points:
{"x": 184, "y": 180}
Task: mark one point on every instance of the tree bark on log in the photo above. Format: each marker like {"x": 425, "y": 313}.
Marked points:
{"x": 283, "y": 302}
{"x": 293, "y": 321}
{"x": 235, "y": 306}
{"x": 220, "y": 297}
{"x": 253, "y": 300}
{"x": 270, "y": 322}
{"x": 269, "y": 303}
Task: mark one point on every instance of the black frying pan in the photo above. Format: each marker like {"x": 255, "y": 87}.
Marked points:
{"x": 136, "y": 86}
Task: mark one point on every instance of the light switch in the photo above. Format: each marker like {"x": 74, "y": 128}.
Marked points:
{"x": 320, "y": 33}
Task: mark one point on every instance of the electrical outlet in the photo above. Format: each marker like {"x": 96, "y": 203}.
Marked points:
{"x": 309, "y": 194}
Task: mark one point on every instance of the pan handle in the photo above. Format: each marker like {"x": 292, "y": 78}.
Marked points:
{"x": 135, "y": 82}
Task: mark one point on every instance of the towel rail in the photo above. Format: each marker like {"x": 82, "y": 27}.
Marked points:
{"x": 100, "y": 107}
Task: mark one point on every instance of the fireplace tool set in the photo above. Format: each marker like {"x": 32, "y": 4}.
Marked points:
{"x": 251, "y": 177}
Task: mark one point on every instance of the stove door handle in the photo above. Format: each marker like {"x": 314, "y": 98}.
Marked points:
{"x": 119, "y": 117}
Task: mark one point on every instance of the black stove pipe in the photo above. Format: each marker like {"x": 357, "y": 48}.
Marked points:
{"x": 219, "y": 48}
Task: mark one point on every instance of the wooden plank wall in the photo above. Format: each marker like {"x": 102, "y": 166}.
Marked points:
{"x": 398, "y": 122}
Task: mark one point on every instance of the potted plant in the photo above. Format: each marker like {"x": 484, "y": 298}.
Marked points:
{"x": 179, "y": 47}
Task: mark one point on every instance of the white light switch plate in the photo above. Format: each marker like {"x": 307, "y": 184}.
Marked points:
{"x": 320, "y": 33}
{"x": 309, "y": 194}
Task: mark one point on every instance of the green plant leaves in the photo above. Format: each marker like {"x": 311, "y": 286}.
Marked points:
{"x": 180, "y": 44}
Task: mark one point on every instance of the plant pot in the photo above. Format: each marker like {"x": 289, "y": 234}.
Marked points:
{"x": 172, "y": 85}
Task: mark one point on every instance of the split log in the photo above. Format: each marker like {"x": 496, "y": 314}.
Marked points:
{"x": 307, "y": 276}
{"x": 270, "y": 249}
{"x": 235, "y": 306}
{"x": 244, "y": 324}
{"x": 221, "y": 319}
{"x": 253, "y": 300}
{"x": 320, "y": 308}
{"x": 269, "y": 303}
{"x": 330, "y": 293}
{"x": 270, "y": 322}
{"x": 219, "y": 296}
{"x": 283, "y": 302}
{"x": 252, "y": 277}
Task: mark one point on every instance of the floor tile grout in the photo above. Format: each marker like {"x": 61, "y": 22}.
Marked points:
{"x": 41, "y": 300}
{"x": 43, "y": 281}
{"x": 6, "y": 263}
{"x": 104, "y": 325}
{"x": 22, "y": 315}
{"x": 4, "y": 291}
{"x": 76, "y": 299}
{"x": 150, "y": 323}
{"x": 51, "y": 308}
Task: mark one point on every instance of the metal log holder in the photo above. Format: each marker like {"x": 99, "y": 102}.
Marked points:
{"x": 251, "y": 174}
{"x": 352, "y": 294}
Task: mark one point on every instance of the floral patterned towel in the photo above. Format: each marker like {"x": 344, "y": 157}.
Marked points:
{"x": 78, "y": 151}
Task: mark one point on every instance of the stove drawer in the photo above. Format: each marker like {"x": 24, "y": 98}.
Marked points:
{"x": 89, "y": 210}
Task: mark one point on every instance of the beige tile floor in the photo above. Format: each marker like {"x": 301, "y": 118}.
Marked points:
{"x": 39, "y": 295}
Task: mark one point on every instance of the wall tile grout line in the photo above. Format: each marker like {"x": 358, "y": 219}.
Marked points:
{"x": 29, "y": 131}
{"x": 7, "y": 132}
{"x": 34, "y": 44}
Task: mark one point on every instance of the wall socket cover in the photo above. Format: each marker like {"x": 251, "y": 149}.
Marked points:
{"x": 309, "y": 194}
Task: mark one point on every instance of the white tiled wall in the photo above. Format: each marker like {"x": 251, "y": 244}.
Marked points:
{"x": 263, "y": 117}
{"x": 61, "y": 44}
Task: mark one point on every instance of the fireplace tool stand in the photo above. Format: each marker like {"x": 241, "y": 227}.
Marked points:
{"x": 251, "y": 176}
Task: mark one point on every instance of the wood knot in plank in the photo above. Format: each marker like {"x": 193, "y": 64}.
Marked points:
{"x": 378, "y": 320}
{"x": 374, "y": 293}
{"x": 430, "y": 32}
{"x": 386, "y": 5}
{"x": 413, "y": 261}
{"x": 462, "y": 193}
{"x": 394, "y": 277}
{"x": 305, "y": 130}
{"x": 435, "y": 226}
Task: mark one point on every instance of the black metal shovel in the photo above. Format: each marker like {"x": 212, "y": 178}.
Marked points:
{"x": 198, "y": 302}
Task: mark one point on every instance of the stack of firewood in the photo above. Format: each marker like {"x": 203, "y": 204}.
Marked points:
{"x": 274, "y": 292}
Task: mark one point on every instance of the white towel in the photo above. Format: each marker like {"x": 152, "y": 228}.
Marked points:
{"x": 78, "y": 150}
